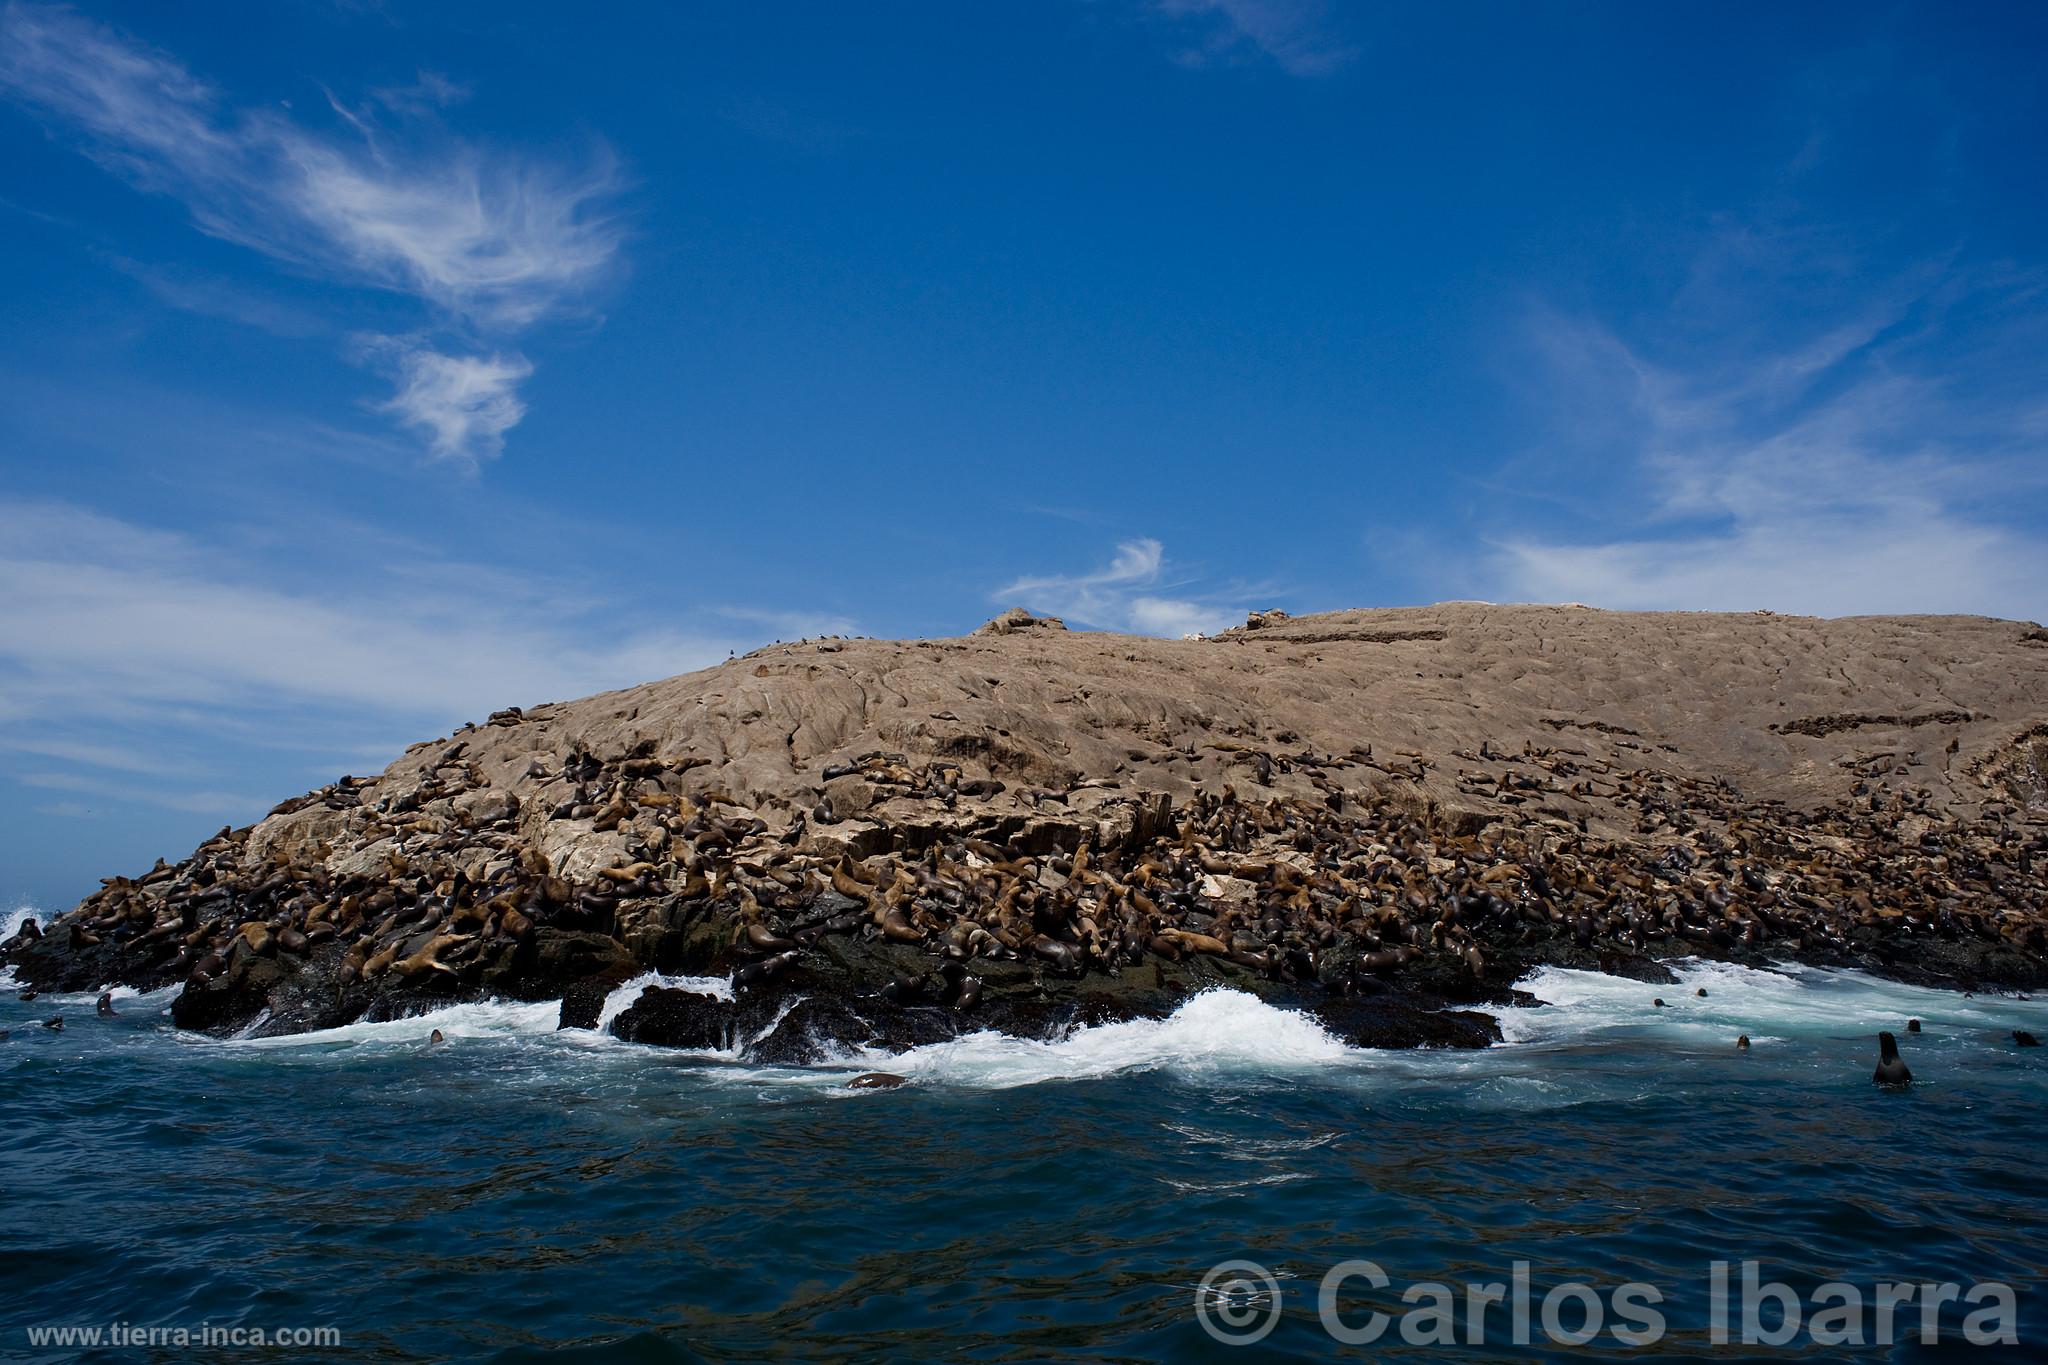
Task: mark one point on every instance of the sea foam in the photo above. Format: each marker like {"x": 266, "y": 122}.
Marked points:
{"x": 1780, "y": 1003}
{"x": 1217, "y": 1032}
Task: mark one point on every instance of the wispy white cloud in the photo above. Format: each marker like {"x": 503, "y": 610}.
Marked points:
{"x": 121, "y": 648}
{"x": 427, "y": 90}
{"x": 1127, "y": 594}
{"x": 1845, "y": 471}
{"x": 1293, "y": 34}
{"x": 172, "y": 798}
{"x": 465, "y": 404}
{"x": 118, "y": 758}
{"x": 214, "y": 297}
{"x": 493, "y": 242}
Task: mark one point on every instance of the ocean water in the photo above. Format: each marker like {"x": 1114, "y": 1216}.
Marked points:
{"x": 522, "y": 1194}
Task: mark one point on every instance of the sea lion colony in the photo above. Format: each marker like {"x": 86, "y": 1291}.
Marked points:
{"x": 1020, "y": 863}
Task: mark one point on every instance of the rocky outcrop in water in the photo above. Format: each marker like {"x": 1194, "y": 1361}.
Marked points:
{"x": 1385, "y": 817}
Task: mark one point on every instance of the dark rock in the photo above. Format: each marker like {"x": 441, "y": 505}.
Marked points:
{"x": 233, "y": 998}
{"x": 584, "y": 1000}
{"x": 1394, "y": 1022}
{"x": 555, "y": 959}
{"x": 811, "y": 1029}
{"x": 672, "y": 1018}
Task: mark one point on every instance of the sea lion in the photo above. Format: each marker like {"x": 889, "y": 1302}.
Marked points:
{"x": 905, "y": 990}
{"x": 1659, "y": 1003}
{"x": 876, "y": 1080}
{"x": 428, "y": 959}
{"x": 896, "y": 926}
{"x": 1912, "y": 1026}
{"x": 969, "y": 995}
{"x": 767, "y": 967}
{"x": 1701, "y": 992}
{"x": 1891, "y": 1068}
{"x": 105, "y": 1005}
{"x": 436, "y": 1037}
{"x": 763, "y": 939}
{"x": 2022, "y": 1038}
{"x": 29, "y": 994}
{"x": 1064, "y": 956}
{"x": 1742, "y": 1043}
{"x": 55, "y": 1023}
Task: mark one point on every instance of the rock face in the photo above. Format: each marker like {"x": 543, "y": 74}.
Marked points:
{"x": 1372, "y": 814}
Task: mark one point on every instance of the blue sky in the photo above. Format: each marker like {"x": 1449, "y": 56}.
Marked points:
{"x": 366, "y": 367}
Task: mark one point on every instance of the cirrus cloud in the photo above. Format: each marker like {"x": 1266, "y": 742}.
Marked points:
{"x": 1127, "y": 594}
{"x": 491, "y": 243}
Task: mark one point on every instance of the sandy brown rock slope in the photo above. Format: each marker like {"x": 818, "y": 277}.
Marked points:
{"x": 1787, "y": 708}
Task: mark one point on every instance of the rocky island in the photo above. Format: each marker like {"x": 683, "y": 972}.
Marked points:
{"x": 1385, "y": 817}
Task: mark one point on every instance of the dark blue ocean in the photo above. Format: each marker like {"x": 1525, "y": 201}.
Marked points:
{"x": 519, "y": 1194}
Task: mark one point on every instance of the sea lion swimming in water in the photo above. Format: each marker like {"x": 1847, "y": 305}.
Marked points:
{"x": 436, "y": 1037}
{"x": 55, "y": 1023}
{"x": 876, "y": 1080}
{"x": 2022, "y": 1038}
{"x": 1742, "y": 1043}
{"x": 1912, "y": 1026}
{"x": 105, "y": 1005}
{"x": 1891, "y": 1068}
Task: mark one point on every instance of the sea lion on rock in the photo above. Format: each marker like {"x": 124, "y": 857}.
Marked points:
{"x": 1891, "y": 1068}
{"x": 968, "y": 995}
{"x": 897, "y": 927}
{"x": 1065, "y": 957}
{"x": 763, "y": 939}
{"x": 766, "y": 969}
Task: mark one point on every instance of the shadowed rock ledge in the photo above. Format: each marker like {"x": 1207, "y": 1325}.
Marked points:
{"x": 1384, "y": 817}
